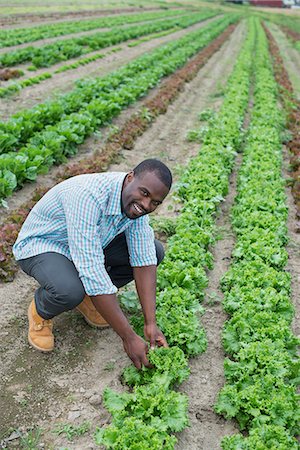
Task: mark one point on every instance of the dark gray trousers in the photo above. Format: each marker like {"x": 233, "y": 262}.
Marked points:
{"x": 60, "y": 286}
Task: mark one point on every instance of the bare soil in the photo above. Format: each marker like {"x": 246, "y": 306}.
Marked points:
{"x": 293, "y": 247}
{"x": 45, "y": 391}
{"x": 207, "y": 374}
{"x": 63, "y": 82}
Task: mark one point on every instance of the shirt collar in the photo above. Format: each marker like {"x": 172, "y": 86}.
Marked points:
{"x": 114, "y": 201}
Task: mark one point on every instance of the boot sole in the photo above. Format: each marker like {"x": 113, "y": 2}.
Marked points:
{"x": 46, "y": 350}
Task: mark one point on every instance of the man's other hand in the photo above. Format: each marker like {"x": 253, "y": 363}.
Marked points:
{"x": 154, "y": 336}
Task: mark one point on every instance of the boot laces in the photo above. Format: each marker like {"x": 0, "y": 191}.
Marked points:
{"x": 47, "y": 323}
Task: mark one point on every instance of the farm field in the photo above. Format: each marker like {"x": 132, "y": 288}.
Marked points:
{"x": 213, "y": 91}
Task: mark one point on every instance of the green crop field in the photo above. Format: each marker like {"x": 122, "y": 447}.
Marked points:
{"x": 212, "y": 90}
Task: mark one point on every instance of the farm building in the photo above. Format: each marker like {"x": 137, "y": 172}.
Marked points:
{"x": 273, "y": 3}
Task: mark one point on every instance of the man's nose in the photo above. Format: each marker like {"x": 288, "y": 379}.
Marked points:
{"x": 147, "y": 204}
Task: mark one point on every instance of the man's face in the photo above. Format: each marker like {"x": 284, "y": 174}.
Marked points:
{"x": 142, "y": 194}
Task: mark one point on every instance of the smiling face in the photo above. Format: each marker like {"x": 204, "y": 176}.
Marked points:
{"x": 142, "y": 194}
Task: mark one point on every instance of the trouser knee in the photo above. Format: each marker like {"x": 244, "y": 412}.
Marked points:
{"x": 70, "y": 297}
{"x": 51, "y": 303}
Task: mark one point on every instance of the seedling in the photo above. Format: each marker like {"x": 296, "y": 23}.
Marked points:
{"x": 109, "y": 366}
{"x": 72, "y": 431}
{"x": 31, "y": 439}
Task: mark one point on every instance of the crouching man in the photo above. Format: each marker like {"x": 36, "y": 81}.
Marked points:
{"x": 87, "y": 237}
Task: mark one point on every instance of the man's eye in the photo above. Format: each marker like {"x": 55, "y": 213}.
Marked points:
{"x": 145, "y": 194}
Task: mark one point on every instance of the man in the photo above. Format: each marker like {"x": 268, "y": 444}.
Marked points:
{"x": 88, "y": 236}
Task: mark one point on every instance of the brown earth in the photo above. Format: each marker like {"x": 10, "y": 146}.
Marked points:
{"x": 65, "y": 386}
{"x": 293, "y": 247}
{"x": 63, "y": 82}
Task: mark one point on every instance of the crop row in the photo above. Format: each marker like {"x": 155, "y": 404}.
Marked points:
{"x": 86, "y": 60}
{"x": 292, "y": 107}
{"x": 22, "y": 125}
{"x": 289, "y": 25}
{"x": 153, "y": 409}
{"x": 18, "y": 85}
{"x": 262, "y": 370}
{"x": 25, "y": 123}
{"x": 153, "y": 36}
{"x": 62, "y": 50}
{"x": 99, "y": 100}
{"x": 21, "y": 35}
{"x": 125, "y": 137}
{"x": 294, "y": 36}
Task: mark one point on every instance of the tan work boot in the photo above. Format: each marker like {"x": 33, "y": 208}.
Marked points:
{"x": 91, "y": 315}
{"x": 40, "y": 330}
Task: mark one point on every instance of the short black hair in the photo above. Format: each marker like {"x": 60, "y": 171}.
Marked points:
{"x": 154, "y": 165}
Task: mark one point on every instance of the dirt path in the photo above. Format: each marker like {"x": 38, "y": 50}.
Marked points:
{"x": 207, "y": 372}
{"x": 62, "y": 82}
{"x": 290, "y": 56}
{"x": 293, "y": 248}
{"x": 65, "y": 386}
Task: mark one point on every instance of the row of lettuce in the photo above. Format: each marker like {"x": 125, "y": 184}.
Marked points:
{"x": 17, "y": 86}
{"x": 15, "y": 36}
{"x": 146, "y": 416}
{"x": 262, "y": 370}
{"x": 292, "y": 107}
{"x": 51, "y": 131}
{"x": 123, "y": 137}
{"x": 290, "y": 25}
{"x": 61, "y": 50}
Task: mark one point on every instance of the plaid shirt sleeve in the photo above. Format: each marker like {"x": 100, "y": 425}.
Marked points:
{"x": 82, "y": 212}
{"x": 140, "y": 242}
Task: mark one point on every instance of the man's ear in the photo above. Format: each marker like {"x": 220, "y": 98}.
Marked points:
{"x": 130, "y": 176}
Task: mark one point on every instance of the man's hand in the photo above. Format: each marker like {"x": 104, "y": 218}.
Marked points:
{"x": 154, "y": 336}
{"x": 137, "y": 349}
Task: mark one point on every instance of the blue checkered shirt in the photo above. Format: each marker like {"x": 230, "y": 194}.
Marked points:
{"x": 78, "y": 218}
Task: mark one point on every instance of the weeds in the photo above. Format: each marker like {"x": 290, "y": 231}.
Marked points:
{"x": 31, "y": 439}
{"x": 72, "y": 431}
